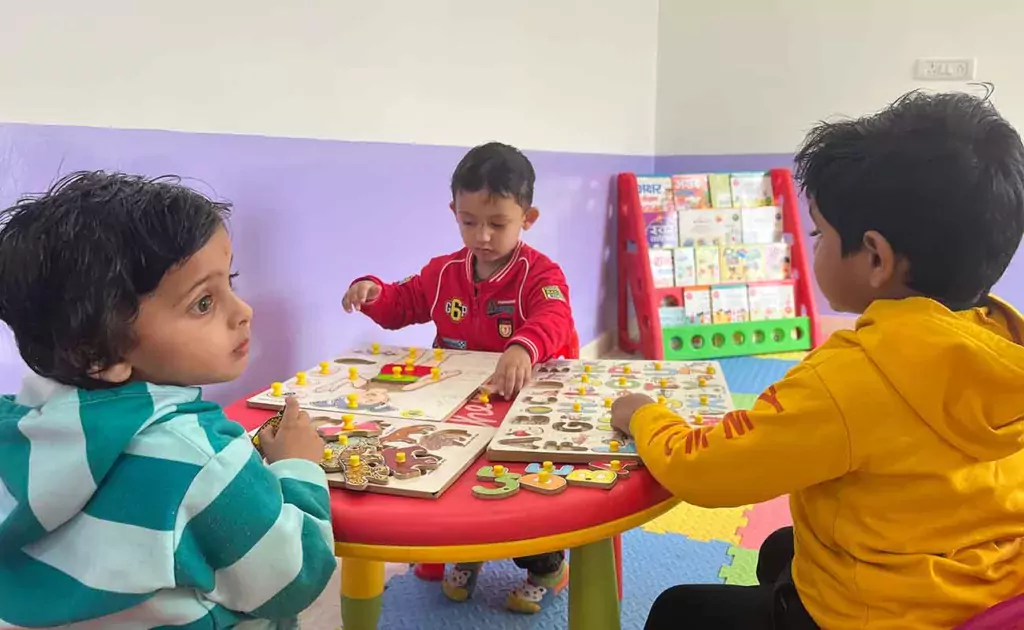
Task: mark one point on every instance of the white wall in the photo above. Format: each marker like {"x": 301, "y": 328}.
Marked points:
{"x": 737, "y": 76}
{"x": 542, "y": 74}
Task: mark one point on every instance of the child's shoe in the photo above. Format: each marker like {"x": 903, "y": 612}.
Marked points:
{"x": 460, "y": 582}
{"x": 530, "y": 595}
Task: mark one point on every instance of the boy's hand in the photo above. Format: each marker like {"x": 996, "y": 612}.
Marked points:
{"x": 513, "y": 371}
{"x": 358, "y": 294}
{"x": 295, "y": 438}
{"x": 624, "y": 408}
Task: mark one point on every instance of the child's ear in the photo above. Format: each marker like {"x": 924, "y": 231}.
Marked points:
{"x": 116, "y": 373}
{"x": 452, "y": 206}
{"x": 882, "y": 258}
{"x": 531, "y": 217}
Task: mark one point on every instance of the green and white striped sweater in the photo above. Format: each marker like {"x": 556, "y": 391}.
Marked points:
{"x": 145, "y": 507}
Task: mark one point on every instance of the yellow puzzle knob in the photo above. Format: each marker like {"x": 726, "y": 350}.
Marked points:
{"x": 711, "y": 369}
{"x": 549, "y": 466}
{"x": 544, "y": 477}
{"x": 435, "y": 373}
{"x": 438, "y": 353}
{"x": 657, "y": 365}
{"x": 276, "y": 389}
{"x": 397, "y": 371}
{"x": 485, "y": 398}
{"x": 348, "y": 422}
{"x": 353, "y": 373}
{"x": 353, "y": 461}
{"x": 698, "y": 419}
{"x": 703, "y": 400}
{"x": 352, "y": 400}
{"x": 408, "y": 365}
{"x": 702, "y": 381}
{"x": 585, "y": 378}
{"x": 498, "y": 471}
{"x": 616, "y": 465}
{"x": 300, "y": 378}
{"x": 325, "y": 367}
{"x": 663, "y": 383}
{"x": 588, "y": 369}
{"x": 613, "y": 446}
{"x": 343, "y": 440}
{"x": 662, "y": 400}
{"x": 412, "y": 353}
{"x": 400, "y": 457}
{"x": 622, "y": 381}
{"x": 608, "y": 402}
{"x": 576, "y": 406}
{"x": 375, "y": 348}
{"x": 627, "y": 370}
{"x": 328, "y": 454}
{"x": 582, "y": 391}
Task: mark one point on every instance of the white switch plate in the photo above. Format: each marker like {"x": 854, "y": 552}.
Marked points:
{"x": 945, "y": 69}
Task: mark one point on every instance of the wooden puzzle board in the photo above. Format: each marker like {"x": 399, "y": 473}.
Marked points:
{"x": 563, "y": 415}
{"x": 437, "y": 384}
{"x": 439, "y": 451}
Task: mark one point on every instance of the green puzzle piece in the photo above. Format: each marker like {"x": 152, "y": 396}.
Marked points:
{"x": 743, "y": 570}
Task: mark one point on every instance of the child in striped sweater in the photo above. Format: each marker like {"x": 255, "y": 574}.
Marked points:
{"x": 126, "y": 500}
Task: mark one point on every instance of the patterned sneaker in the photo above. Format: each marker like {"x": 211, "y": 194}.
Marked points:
{"x": 461, "y": 580}
{"x": 528, "y": 597}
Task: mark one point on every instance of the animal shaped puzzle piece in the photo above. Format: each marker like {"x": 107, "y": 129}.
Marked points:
{"x": 618, "y": 467}
{"x": 273, "y": 422}
{"x": 561, "y": 471}
{"x": 563, "y": 447}
{"x": 329, "y": 429}
{"x": 410, "y": 461}
{"x": 528, "y": 443}
{"x": 408, "y": 435}
{"x": 604, "y": 479}
{"x": 544, "y": 483}
{"x": 445, "y": 437}
{"x": 508, "y": 483}
{"x": 362, "y": 470}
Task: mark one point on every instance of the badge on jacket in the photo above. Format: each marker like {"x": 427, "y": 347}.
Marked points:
{"x": 455, "y": 309}
{"x": 552, "y": 293}
{"x": 505, "y": 328}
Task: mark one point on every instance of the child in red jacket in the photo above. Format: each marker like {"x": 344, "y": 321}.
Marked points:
{"x": 496, "y": 294}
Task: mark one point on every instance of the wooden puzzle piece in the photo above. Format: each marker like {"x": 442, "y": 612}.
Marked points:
{"x": 446, "y": 437}
{"x": 573, "y": 426}
{"x": 508, "y": 483}
{"x": 407, "y": 435}
{"x": 563, "y": 447}
{"x": 561, "y": 471}
{"x": 539, "y": 400}
{"x": 362, "y": 470}
{"x": 623, "y": 446}
{"x": 273, "y": 422}
{"x": 544, "y": 483}
{"x": 410, "y": 461}
{"x": 522, "y": 442}
{"x": 532, "y": 420}
{"x": 604, "y": 479}
{"x": 615, "y": 466}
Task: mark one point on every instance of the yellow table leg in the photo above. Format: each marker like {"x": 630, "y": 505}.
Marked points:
{"x": 362, "y": 587}
{"x": 593, "y": 587}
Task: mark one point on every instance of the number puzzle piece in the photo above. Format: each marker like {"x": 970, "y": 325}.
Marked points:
{"x": 508, "y": 484}
{"x": 615, "y": 466}
{"x": 561, "y": 471}
{"x": 573, "y": 426}
{"x": 544, "y": 483}
{"x": 410, "y": 461}
{"x": 604, "y": 479}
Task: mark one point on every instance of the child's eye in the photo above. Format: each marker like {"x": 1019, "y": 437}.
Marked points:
{"x": 498, "y": 226}
{"x": 815, "y": 233}
{"x": 231, "y": 280}
{"x": 204, "y": 305}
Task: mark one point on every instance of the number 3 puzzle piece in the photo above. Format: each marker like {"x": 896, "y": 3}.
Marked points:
{"x": 604, "y": 479}
{"x": 509, "y": 484}
{"x": 549, "y": 484}
{"x": 561, "y": 471}
{"x": 615, "y": 466}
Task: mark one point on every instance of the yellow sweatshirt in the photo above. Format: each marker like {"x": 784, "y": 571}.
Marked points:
{"x": 900, "y": 444}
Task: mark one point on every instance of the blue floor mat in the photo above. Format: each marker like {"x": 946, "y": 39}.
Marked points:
{"x": 749, "y": 375}
{"x": 651, "y": 563}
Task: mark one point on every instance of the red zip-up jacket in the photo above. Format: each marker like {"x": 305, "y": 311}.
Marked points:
{"x": 526, "y": 302}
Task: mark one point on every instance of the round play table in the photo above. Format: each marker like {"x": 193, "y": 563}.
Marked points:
{"x": 371, "y": 529}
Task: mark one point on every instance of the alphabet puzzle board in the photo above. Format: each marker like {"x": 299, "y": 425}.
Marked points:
{"x": 564, "y": 414}
{"x": 388, "y": 382}
{"x": 409, "y": 458}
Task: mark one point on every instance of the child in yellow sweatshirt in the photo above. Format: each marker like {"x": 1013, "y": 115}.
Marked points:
{"x": 899, "y": 442}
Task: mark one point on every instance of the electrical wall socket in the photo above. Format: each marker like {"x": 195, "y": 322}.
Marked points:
{"x": 945, "y": 69}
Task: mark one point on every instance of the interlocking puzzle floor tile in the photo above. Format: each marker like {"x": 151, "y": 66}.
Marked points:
{"x": 743, "y": 570}
{"x": 762, "y": 520}
{"x": 651, "y": 563}
{"x": 700, "y": 524}
{"x": 744, "y": 401}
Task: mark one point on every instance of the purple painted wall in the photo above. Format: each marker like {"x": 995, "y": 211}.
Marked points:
{"x": 1010, "y": 288}
{"x": 310, "y": 215}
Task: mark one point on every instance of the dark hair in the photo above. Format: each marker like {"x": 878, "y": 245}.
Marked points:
{"x": 75, "y": 262}
{"x": 940, "y": 176}
{"x": 498, "y": 168}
